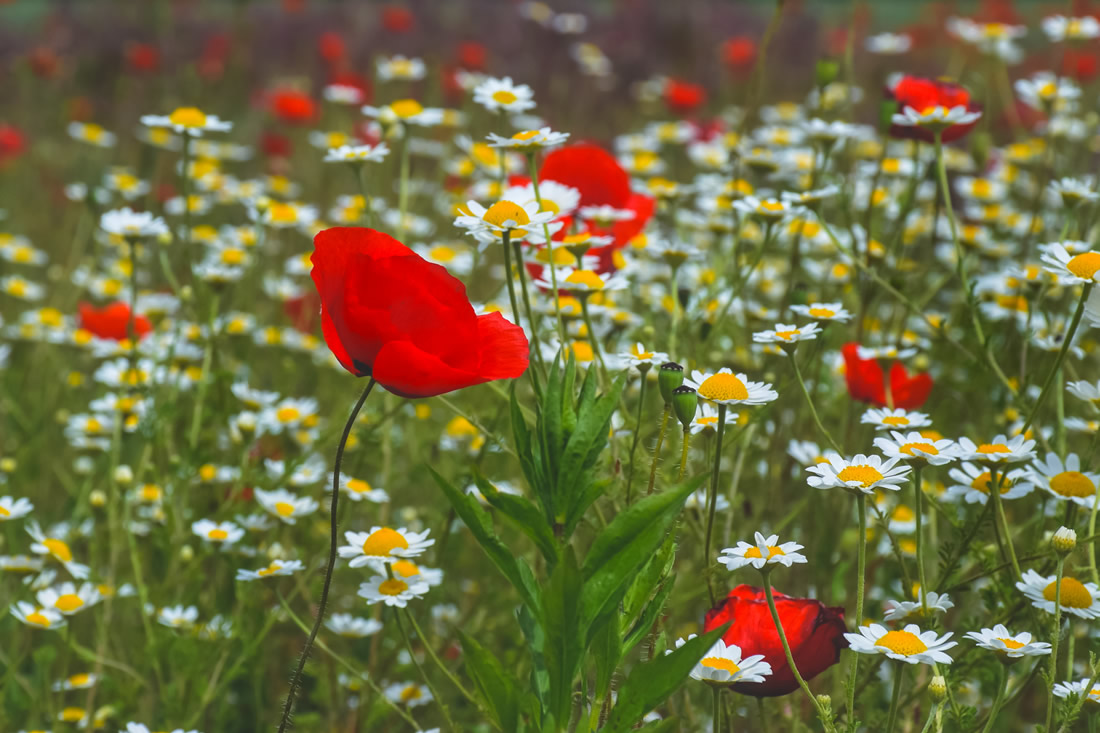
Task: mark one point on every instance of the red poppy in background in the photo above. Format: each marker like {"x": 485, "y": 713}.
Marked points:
{"x": 215, "y": 51}
{"x": 304, "y": 311}
{"x": 293, "y": 107}
{"x": 112, "y": 321}
{"x": 814, "y": 631}
{"x": 388, "y": 313}
{"x": 591, "y": 170}
{"x": 275, "y": 144}
{"x": 143, "y": 58}
{"x": 331, "y": 47}
{"x": 472, "y": 56}
{"x": 866, "y": 384}
{"x": 45, "y": 63}
{"x": 925, "y": 94}
{"x": 739, "y": 53}
{"x": 1081, "y": 65}
{"x": 683, "y": 97}
{"x": 397, "y": 19}
{"x": 12, "y": 142}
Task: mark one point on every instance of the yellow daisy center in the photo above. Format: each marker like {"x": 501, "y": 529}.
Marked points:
{"x": 58, "y": 549}
{"x": 405, "y": 108}
{"x": 721, "y": 663}
{"x": 68, "y": 602}
{"x": 269, "y": 570}
{"x": 525, "y": 135}
{"x": 382, "y": 542}
{"x": 79, "y": 680}
{"x": 392, "y": 587}
{"x": 904, "y": 643}
{"x": 982, "y": 188}
{"x": 72, "y": 714}
{"x": 207, "y": 472}
{"x": 707, "y": 420}
{"x": 38, "y": 619}
{"x": 772, "y": 552}
{"x": 587, "y": 278}
{"x": 281, "y": 213}
{"x": 188, "y": 117}
{"x": 988, "y": 448}
{"x": 817, "y": 312}
{"x": 504, "y": 96}
{"x": 506, "y": 211}
{"x": 582, "y": 351}
{"x": 441, "y": 253}
{"x": 358, "y": 485}
{"x": 284, "y": 508}
{"x": 865, "y": 475}
{"x": 1084, "y": 265}
{"x": 787, "y": 335}
{"x": 904, "y": 514}
{"x": 412, "y": 692}
{"x": 217, "y": 535}
{"x": 405, "y": 569}
{"x": 723, "y": 387}
{"x": 928, "y": 448}
{"x": 1010, "y": 643}
{"x": 1072, "y": 483}
{"x": 1074, "y": 594}
{"x": 896, "y": 420}
{"x": 983, "y": 482}
{"x": 4, "y": 512}
{"x": 232, "y": 256}
{"x": 288, "y": 414}
{"x": 771, "y": 207}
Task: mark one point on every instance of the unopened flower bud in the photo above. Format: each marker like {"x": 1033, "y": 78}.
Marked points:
{"x": 669, "y": 377}
{"x": 937, "y": 688}
{"x": 685, "y": 402}
{"x": 98, "y": 498}
{"x": 1064, "y": 541}
{"x": 826, "y": 71}
{"x": 187, "y": 553}
{"x": 825, "y": 701}
{"x": 124, "y": 475}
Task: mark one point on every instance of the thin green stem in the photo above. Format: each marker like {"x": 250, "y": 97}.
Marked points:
{"x": 518, "y": 251}
{"x": 644, "y": 369}
{"x": 1066, "y": 342}
{"x": 712, "y": 503}
{"x": 550, "y": 247}
{"x": 918, "y": 507}
{"x": 1055, "y": 637}
{"x": 892, "y": 716}
{"x": 403, "y": 184}
{"x": 995, "y": 481}
{"x": 861, "y": 571}
{"x": 592, "y": 338}
{"x": 438, "y": 662}
{"x": 657, "y": 449}
{"x": 809, "y": 401}
{"x": 717, "y": 693}
{"x": 424, "y": 675}
{"x": 1002, "y": 683}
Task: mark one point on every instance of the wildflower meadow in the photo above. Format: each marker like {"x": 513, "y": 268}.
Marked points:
{"x": 501, "y": 365}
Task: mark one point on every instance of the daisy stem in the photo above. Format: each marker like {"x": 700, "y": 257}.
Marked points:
{"x": 1061, "y": 357}
{"x": 931, "y": 718}
{"x": 918, "y": 507}
{"x": 1054, "y": 639}
{"x": 204, "y": 376}
{"x": 763, "y": 715}
{"x": 684, "y": 453}
{"x": 518, "y": 251}
{"x": 892, "y": 717}
{"x": 438, "y": 662}
{"x": 185, "y": 190}
{"x": 644, "y": 369}
{"x": 423, "y": 674}
{"x": 403, "y": 184}
{"x": 509, "y": 280}
{"x": 717, "y": 693}
{"x": 595, "y": 342}
{"x": 550, "y": 246}
{"x": 360, "y": 171}
{"x": 1002, "y": 683}
{"x": 999, "y": 517}
{"x": 861, "y": 570}
{"x": 296, "y": 679}
{"x": 657, "y": 450}
{"x": 1092, "y": 532}
{"x": 712, "y": 502}
{"x": 809, "y": 401}
{"x": 765, "y": 574}
{"x": 674, "y": 293}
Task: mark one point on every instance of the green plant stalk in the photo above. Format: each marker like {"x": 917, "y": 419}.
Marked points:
{"x": 809, "y": 401}
{"x": 675, "y": 326}
{"x": 717, "y": 693}
{"x": 518, "y": 251}
{"x": 712, "y": 503}
{"x": 918, "y": 505}
{"x": 684, "y": 453}
{"x": 1002, "y": 683}
{"x": 592, "y": 339}
{"x": 403, "y": 184}
{"x": 1061, "y": 357}
{"x": 1092, "y": 533}
{"x": 359, "y": 169}
{"x": 931, "y": 718}
{"x": 1055, "y": 637}
{"x": 550, "y": 247}
{"x": 657, "y": 449}
{"x": 861, "y": 571}
{"x": 999, "y": 517}
{"x": 644, "y": 369}
{"x": 892, "y": 716}
{"x": 438, "y": 662}
{"x": 508, "y": 280}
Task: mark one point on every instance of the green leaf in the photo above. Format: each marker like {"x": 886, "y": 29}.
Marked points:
{"x": 481, "y": 527}
{"x": 649, "y": 615}
{"x": 584, "y": 448}
{"x": 641, "y": 589}
{"x": 540, "y": 677}
{"x": 561, "y": 622}
{"x": 623, "y": 547}
{"x": 651, "y": 683}
{"x": 607, "y": 652}
{"x": 497, "y": 687}
{"x": 550, "y": 425}
{"x": 524, "y": 514}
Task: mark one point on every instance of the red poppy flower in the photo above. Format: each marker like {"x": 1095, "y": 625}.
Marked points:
{"x": 275, "y": 144}
{"x": 112, "y": 321}
{"x": 12, "y": 142}
{"x": 142, "y": 57}
{"x": 331, "y": 47}
{"x": 591, "y": 170}
{"x": 814, "y": 631}
{"x": 44, "y": 62}
{"x": 925, "y": 94}
{"x": 388, "y": 313}
{"x": 397, "y": 19}
{"x": 1081, "y": 65}
{"x": 682, "y": 96}
{"x": 304, "y": 312}
{"x": 293, "y": 107}
{"x": 739, "y": 52}
{"x": 865, "y": 381}
{"x": 472, "y": 55}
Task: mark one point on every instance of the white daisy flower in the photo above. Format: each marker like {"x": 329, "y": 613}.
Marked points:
{"x": 883, "y": 418}
{"x": 503, "y": 95}
{"x": 1013, "y": 646}
{"x": 407, "y": 111}
{"x": 93, "y": 134}
{"x": 1087, "y": 391}
{"x": 973, "y": 484}
{"x": 177, "y": 617}
{"x": 936, "y": 117}
{"x": 605, "y": 215}
{"x": 1079, "y": 688}
{"x": 218, "y": 533}
{"x": 14, "y": 508}
{"x": 352, "y": 627}
{"x": 521, "y": 222}
{"x": 884, "y": 352}
{"x": 768, "y": 209}
{"x": 723, "y": 665}
{"x": 888, "y": 44}
{"x": 1002, "y": 450}
{"x": 638, "y": 355}
{"x": 726, "y": 388}
{"x": 79, "y": 681}
{"x": 1073, "y": 268}
{"x": 1059, "y": 28}
{"x": 401, "y": 68}
{"x": 556, "y": 197}
{"x": 274, "y": 568}
{"x": 860, "y": 473}
{"x": 1076, "y": 598}
{"x": 383, "y": 544}
{"x": 357, "y": 153}
{"x": 910, "y": 645}
{"x": 127, "y": 223}
{"x": 543, "y": 137}
{"x": 765, "y": 551}
{"x": 410, "y": 694}
{"x": 57, "y": 548}
{"x": 1064, "y": 479}
{"x": 823, "y": 311}
{"x": 31, "y": 615}
{"x": 787, "y": 334}
{"x": 901, "y": 610}
{"x": 581, "y": 282}
{"x": 393, "y": 592}
{"x": 285, "y": 505}
{"x": 68, "y": 599}
{"x": 188, "y": 120}
{"x": 358, "y": 489}
{"x": 706, "y": 418}
{"x": 915, "y": 448}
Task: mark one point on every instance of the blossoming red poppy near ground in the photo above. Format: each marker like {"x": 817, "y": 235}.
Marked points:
{"x": 739, "y": 52}
{"x": 925, "y": 94}
{"x": 814, "y": 631}
{"x": 388, "y": 313}
{"x": 111, "y": 321}
{"x": 293, "y": 107}
{"x": 865, "y": 381}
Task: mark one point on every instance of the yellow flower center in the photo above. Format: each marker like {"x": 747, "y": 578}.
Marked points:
{"x": 392, "y": 587}
{"x": 723, "y": 387}
{"x": 68, "y": 602}
{"x": 1084, "y": 265}
{"x": 4, "y": 512}
{"x": 188, "y": 117}
{"x": 772, "y": 552}
{"x": 895, "y": 420}
{"x": 904, "y": 643}
{"x": 217, "y": 535}
{"x": 58, "y": 549}
{"x": 72, "y": 714}
{"x": 405, "y": 569}
{"x": 865, "y": 475}
{"x": 525, "y": 135}
{"x": 707, "y": 420}
{"x": 412, "y": 692}
{"x": 79, "y": 680}
{"x": 507, "y": 212}
{"x": 405, "y": 108}
{"x": 721, "y": 663}
{"x": 441, "y": 253}
{"x": 787, "y": 335}
{"x": 822, "y": 312}
{"x": 288, "y": 414}
{"x": 982, "y": 188}
{"x": 207, "y": 472}
{"x": 284, "y": 508}
{"x": 38, "y": 619}
{"x": 504, "y": 96}
{"x": 281, "y": 213}
{"x": 982, "y": 483}
{"x": 382, "y": 542}
{"x": 904, "y": 514}
{"x": 358, "y": 485}
{"x": 269, "y": 570}
{"x": 988, "y": 448}
{"x": 891, "y": 165}
{"x": 1010, "y": 643}
{"x": 587, "y": 278}
{"x": 771, "y": 207}
{"x": 1074, "y": 594}
{"x": 928, "y": 448}
{"x": 582, "y": 351}
{"x": 1072, "y": 483}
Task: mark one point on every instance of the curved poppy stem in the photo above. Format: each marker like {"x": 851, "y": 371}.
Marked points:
{"x": 644, "y": 369}
{"x": 657, "y": 450}
{"x": 296, "y": 679}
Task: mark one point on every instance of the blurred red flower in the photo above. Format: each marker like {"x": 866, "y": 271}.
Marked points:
{"x": 1081, "y": 65}
{"x": 682, "y": 96}
{"x": 293, "y": 107}
{"x": 142, "y": 57}
{"x": 472, "y": 56}
{"x": 275, "y": 144}
{"x": 591, "y": 170}
{"x": 12, "y": 142}
{"x": 112, "y": 321}
{"x": 814, "y": 631}
{"x": 388, "y": 313}
{"x": 925, "y": 94}
{"x": 739, "y": 53}
{"x": 866, "y": 383}
{"x": 397, "y": 19}
{"x": 331, "y": 47}
{"x": 45, "y": 63}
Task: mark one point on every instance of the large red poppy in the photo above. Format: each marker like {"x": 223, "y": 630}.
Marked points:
{"x": 293, "y": 107}
{"x": 814, "y": 631}
{"x": 591, "y": 170}
{"x": 925, "y": 94}
{"x": 866, "y": 383}
{"x": 388, "y": 313}
{"x": 684, "y": 97}
{"x": 112, "y": 321}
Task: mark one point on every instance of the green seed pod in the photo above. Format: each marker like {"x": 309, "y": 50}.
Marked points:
{"x": 826, "y": 71}
{"x": 684, "y": 402}
{"x": 669, "y": 377}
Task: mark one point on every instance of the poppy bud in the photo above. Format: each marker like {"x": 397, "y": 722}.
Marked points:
{"x": 685, "y": 402}
{"x": 669, "y": 377}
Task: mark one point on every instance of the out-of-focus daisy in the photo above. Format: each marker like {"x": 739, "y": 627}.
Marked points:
{"x": 823, "y": 311}
{"x": 638, "y": 356}
{"x": 218, "y": 533}
{"x": 915, "y": 448}
{"x": 768, "y": 209}
{"x": 93, "y": 134}
{"x": 177, "y": 617}
{"x": 726, "y": 388}
{"x": 973, "y": 484}
{"x": 400, "y": 68}
{"x": 901, "y": 610}
{"x": 357, "y": 489}
{"x": 357, "y": 153}
{"x": 1087, "y": 391}
{"x": 67, "y": 598}
{"x": 188, "y": 120}
{"x": 410, "y": 694}
{"x": 56, "y": 548}
{"x": 383, "y": 544}
{"x": 582, "y": 283}
{"x": 910, "y": 645}
{"x": 1076, "y": 598}
{"x": 128, "y": 223}
{"x": 765, "y": 551}
{"x": 407, "y": 111}
{"x": 706, "y": 418}
{"x": 1080, "y": 688}
{"x": 888, "y": 44}
{"x": 543, "y": 137}
{"x": 1001, "y": 450}
{"x": 393, "y": 592}
{"x": 503, "y": 95}
{"x": 787, "y": 334}
{"x": 556, "y": 197}
{"x": 1059, "y": 27}
{"x": 860, "y": 473}
{"x": 1076, "y": 268}
{"x": 14, "y": 508}
{"x": 1064, "y": 479}
{"x": 31, "y": 615}
{"x": 273, "y": 569}
{"x": 285, "y": 505}
{"x": 883, "y": 418}
{"x": 724, "y": 665}
{"x": 352, "y": 627}
{"x": 1013, "y": 646}
{"x": 79, "y": 681}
